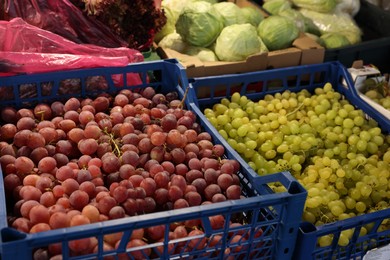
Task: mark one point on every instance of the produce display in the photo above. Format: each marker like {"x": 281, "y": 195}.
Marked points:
{"x": 329, "y": 22}
{"x": 378, "y": 91}
{"x": 340, "y": 157}
{"x": 88, "y": 160}
{"x": 223, "y": 30}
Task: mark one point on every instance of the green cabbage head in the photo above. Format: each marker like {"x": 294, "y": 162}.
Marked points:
{"x": 199, "y": 24}
{"x": 236, "y": 42}
{"x": 277, "y": 32}
{"x": 173, "y": 41}
{"x": 333, "y": 40}
{"x": 230, "y": 12}
{"x": 275, "y": 6}
{"x": 252, "y": 15}
{"x": 322, "y": 6}
{"x": 203, "y": 54}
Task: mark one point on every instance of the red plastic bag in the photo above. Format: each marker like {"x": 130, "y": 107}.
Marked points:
{"x": 63, "y": 18}
{"x": 28, "y": 49}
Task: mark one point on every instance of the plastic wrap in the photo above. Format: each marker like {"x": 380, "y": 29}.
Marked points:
{"x": 27, "y": 49}
{"x": 62, "y": 18}
{"x": 335, "y": 23}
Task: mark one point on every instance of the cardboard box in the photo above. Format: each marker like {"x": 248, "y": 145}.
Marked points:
{"x": 359, "y": 73}
{"x": 197, "y": 68}
{"x": 304, "y": 50}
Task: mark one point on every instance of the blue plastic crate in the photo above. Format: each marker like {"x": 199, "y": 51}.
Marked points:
{"x": 255, "y": 85}
{"x": 308, "y": 236}
{"x": 276, "y": 216}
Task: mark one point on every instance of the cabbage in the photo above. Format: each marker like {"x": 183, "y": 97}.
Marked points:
{"x": 334, "y": 40}
{"x": 236, "y": 42}
{"x": 335, "y": 23}
{"x": 322, "y": 6}
{"x": 174, "y": 6}
{"x": 173, "y": 41}
{"x": 169, "y": 26}
{"x": 275, "y": 6}
{"x": 252, "y": 15}
{"x": 172, "y": 10}
{"x": 230, "y": 12}
{"x": 199, "y": 24}
{"x": 203, "y": 54}
{"x": 277, "y": 32}
{"x": 209, "y": 1}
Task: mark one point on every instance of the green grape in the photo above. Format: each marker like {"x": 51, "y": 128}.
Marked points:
{"x": 325, "y": 241}
{"x": 365, "y": 135}
{"x": 264, "y": 119}
{"x": 237, "y": 122}
{"x": 233, "y": 133}
{"x": 343, "y": 240}
{"x": 242, "y": 130}
{"x": 309, "y": 217}
{"x": 360, "y": 207}
{"x": 358, "y": 120}
{"x": 361, "y": 145}
{"x": 378, "y": 140}
{"x": 274, "y": 124}
{"x": 270, "y": 107}
{"x": 233, "y": 106}
{"x": 250, "y": 144}
{"x": 248, "y": 153}
{"x": 220, "y": 108}
{"x": 236, "y": 97}
{"x": 348, "y": 123}
{"x": 365, "y": 190}
{"x": 239, "y": 113}
{"x": 296, "y": 167}
{"x": 336, "y": 210}
{"x": 225, "y": 102}
{"x": 278, "y": 106}
{"x": 213, "y": 121}
{"x": 282, "y": 120}
{"x": 240, "y": 147}
{"x": 375, "y": 131}
{"x": 270, "y": 154}
{"x": 223, "y": 133}
{"x": 252, "y": 135}
{"x": 314, "y": 191}
{"x": 259, "y": 109}
{"x": 228, "y": 127}
{"x": 354, "y": 193}
{"x": 252, "y": 165}
{"x": 232, "y": 143}
{"x": 277, "y": 139}
{"x": 268, "y": 145}
{"x": 282, "y": 148}
{"x": 222, "y": 119}
{"x": 207, "y": 111}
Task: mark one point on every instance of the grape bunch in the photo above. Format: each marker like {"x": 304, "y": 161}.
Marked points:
{"x": 95, "y": 159}
{"x": 378, "y": 90}
{"x": 340, "y": 157}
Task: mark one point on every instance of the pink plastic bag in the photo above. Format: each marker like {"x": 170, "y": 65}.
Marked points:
{"x": 63, "y": 18}
{"x": 28, "y": 49}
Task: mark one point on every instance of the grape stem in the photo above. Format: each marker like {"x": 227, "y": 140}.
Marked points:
{"x": 117, "y": 151}
{"x": 184, "y": 98}
{"x": 295, "y": 110}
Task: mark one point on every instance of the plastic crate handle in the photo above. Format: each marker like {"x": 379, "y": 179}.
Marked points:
{"x": 285, "y": 178}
